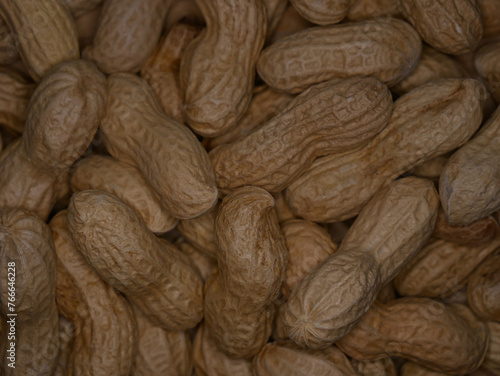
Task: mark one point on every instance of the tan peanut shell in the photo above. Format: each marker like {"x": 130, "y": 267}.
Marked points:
{"x": 386, "y": 49}
{"x": 66, "y": 342}
{"x": 161, "y": 70}
{"x": 490, "y": 15}
{"x": 469, "y": 186}
{"x": 153, "y": 274}
{"x": 45, "y": 33}
{"x": 483, "y": 288}
{"x": 26, "y": 241}
{"x": 63, "y": 115}
{"x": 431, "y": 168}
{"x": 414, "y": 329}
{"x": 126, "y": 182}
{"x": 487, "y": 63}
{"x": 127, "y": 34}
{"x": 334, "y": 296}
{"x": 286, "y": 358}
{"x": 227, "y": 48}
{"x": 266, "y": 104}
{"x": 200, "y": 232}
{"x": 308, "y": 245}
{"x": 432, "y": 66}
{"x": 105, "y": 332}
{"x": 252, "y": 259}
{"x": 492, "y": 360}
{"x": 441, "y": 268}
{"x": 381, "y": 367}
{"x": 323, "y": 12}
{"x": 366, "y": 9}
{"x": 161, "y": 352}
{"x": 210, "y": 361}
{"x": 282, "y": 210}
{"x": 328, "y": 118}
{"x": 428, "y": 121}
{"x": 170, "y": 156}
{"x": 450, "y": 26}
{"x": 15, "y": 92}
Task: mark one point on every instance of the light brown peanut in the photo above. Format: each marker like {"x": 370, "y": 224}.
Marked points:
{"x": 386, "y": 49}
{"x": 200, "y": 232}
{"x": 487, "y": 63}
{"x": 151, "y": 272}
{"x": 105, "y": 333}
{"x": 450, "y": 26}
{"x": 483, "y": 288}
{"x": 492, "y": 359}
{"x": 28, "y": 283}
{"x": 431, "y": 168}
{"x": 282, "y": 210}
{"x": 215, "y": 102}
{"x": 413, "y": 328}
{"x": 252, "y": 259}
{"x": 328, "y": 118}
{"x": 44, "y": 33}
{"x": 210, "y": 361}
{"x": 127, "y": 34}
{"x": 430, "y": 120}
{"x": 469, "y": 186}
{"x": 323, "y": 12}
{"x": 126, "y": 182}
{"x": 161, "y": 70}
{"x": 365, "y": 9}
{"x": 62, "y": 118}
{"x": 381, "y": 367}
{"x": 66, "y": 343}
{"x": 134, "y": 118}
{"x": 15, "y": 92}
{"x": 286, "y": 358}
{"x": 441, "y": 268}
{"x": 333, "y": 297}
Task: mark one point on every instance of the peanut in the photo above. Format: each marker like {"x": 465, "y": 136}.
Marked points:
{"x": 431, "y": 168}
{"x": 105, "y": 337}
{"x": 282, "y": 210}
{"x": 490, "y": 14}
{"x": 153, "y": 274}
{"x": 487, "y": 61}
{"x": 215, "y": 102}
{"x": 413, "y": 328}
{"x": 25, "y": 241}
{"x": 469, "y": 186}
{"x": 450, "y": 26}
{"x": 323, "y": 12}
{"x": 381, "y": 367}
{"x": 331, "y": 299}
{"x": 126, "y": 182}
{"x": 44, "y": 33}
{"x": 365, "y": 9}
{"x": 66, "y": 342}
{"x": 387, "y": 49}
{"x": 492, "y": 359}
{"x": 331, "y": 117}
{"x": 441, "y": 268}
{"x": 200, "y": 232}
{"x": 15, "y": 93}
{"x": 252, "y": 260}
{"x": 203, "y": 263}
{"x": 134, "y": 118}
{"x": 62, "y": 118}
{"x": 430, "y": 120}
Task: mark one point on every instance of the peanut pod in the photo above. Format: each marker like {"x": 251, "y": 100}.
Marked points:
{"x": 15, "y": 92}
{"x": 322, "y": 12}
{"x": 381, "y": 367}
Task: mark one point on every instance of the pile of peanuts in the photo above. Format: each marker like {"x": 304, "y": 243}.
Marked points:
{"x": 249, "y": 187}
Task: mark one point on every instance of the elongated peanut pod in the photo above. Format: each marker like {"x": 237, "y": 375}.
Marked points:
{"x": 331, "y": 299}
{"x": 170, "y": 156}
{"x": 323, "y": 12}
{"x": 228, "y": 48}
{"x": 151, "y": 272}
{"x": 45, "y": 33}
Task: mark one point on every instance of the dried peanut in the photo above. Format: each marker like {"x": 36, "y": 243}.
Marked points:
{"x": 490, "y": 14}
{"x": 66, "y": 343}
{"x": 331, "y": 299}
{"x": 450, "y": 26}
{"x": 365, "y": 9}
{"x": 387, "y": 49}
{"x": 430, "y": 120}
{"x": 331, "y": 117}
{"x": 441, "y": 268}
{"x": 431, "y": 168}
{"x": 180, "y": 173}
{"x": 469, "y": 186}
{"x": 27, "y": 252}
{"x": 153, "y": 274}
{"x": 381, "y": 367}
{"x": 105, "y": 337}
{"x": 414, "y": 328}
{"x": 323, "y": 12}
{"x": 126, "y": 182}
{"x": 492, "y": 360}
{"x": 252, "y": 259}
{"x": 487, "y": 63}
{"x": 15, "y": 93}
{"x": 127, "y": 34}
{"x": 215, "y": 102}
{"x": 62, "y": 118}
{"x": 44, "y": 33}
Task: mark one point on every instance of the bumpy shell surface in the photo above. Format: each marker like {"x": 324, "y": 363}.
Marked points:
{"x": 105, "y": 332}
{"x": 365, "y": 9}
{"x": 470, "y": 183}
{"x": 381, "y": 367}
{"x": 331, "y": 299}
{"x": 492, "y": 360}
{"x": 487, "y": 63}
{"x": 15, "y": 92}
{"x": 152, "y": 273}
{"x": 428, "y": 121}
{"x": 323, "y": 12}
{"x": 328, "y": 118}
{"x": 168, "y": 154}
{"x": 387, "y": 49}
{"x": 227, "y": 48}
